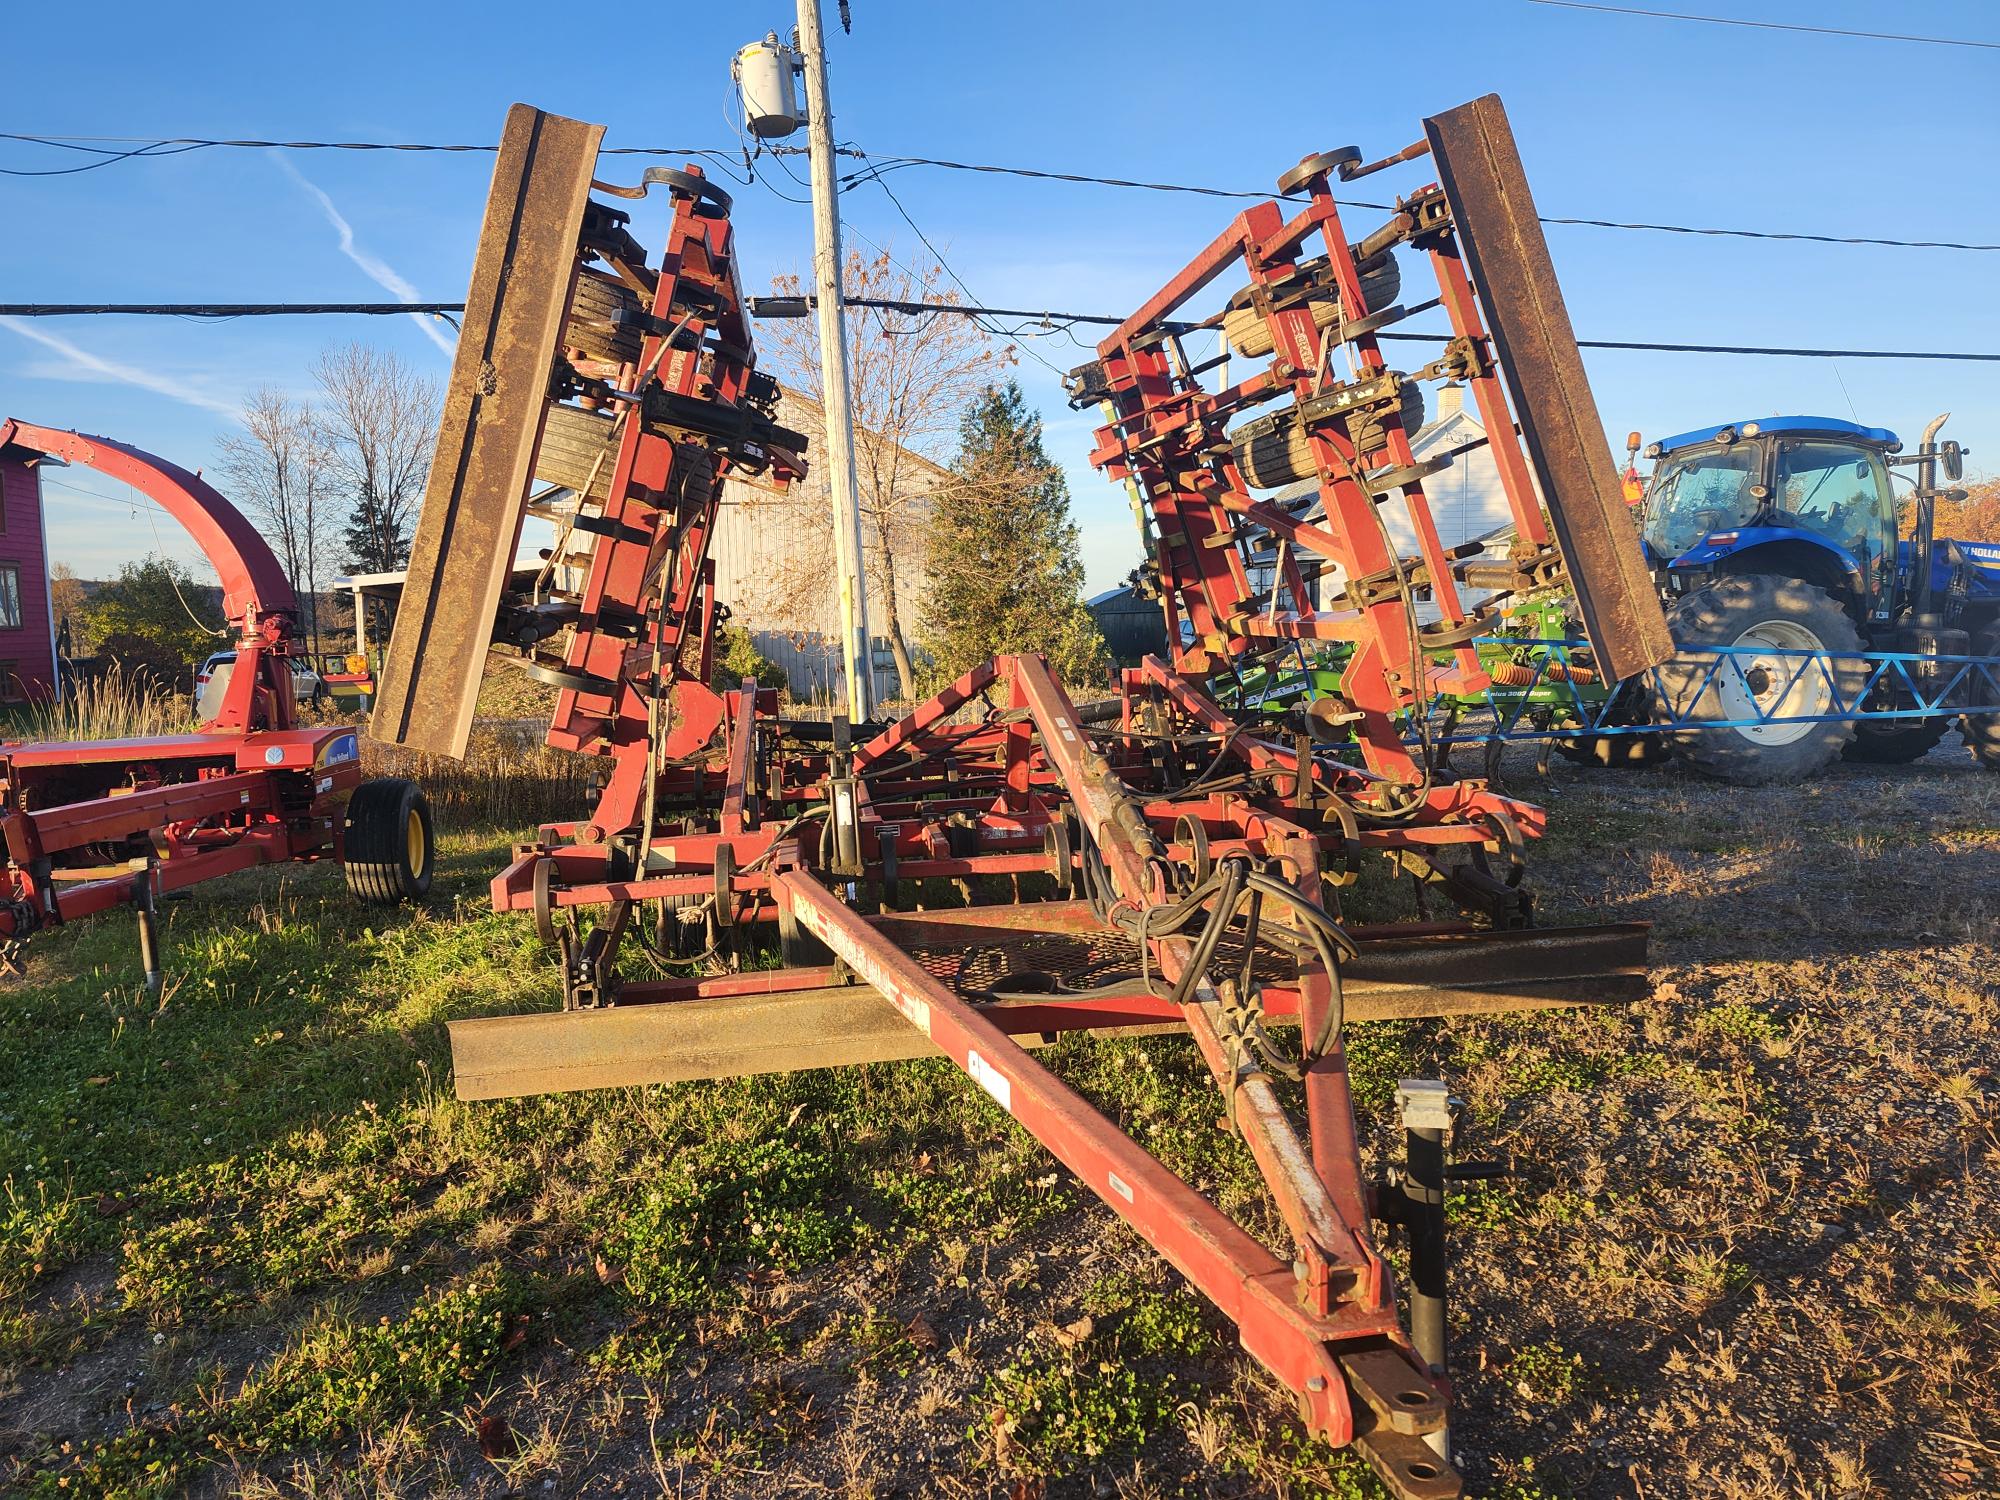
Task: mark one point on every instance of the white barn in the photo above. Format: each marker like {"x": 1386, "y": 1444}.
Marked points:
{"x": 774, "y": 568}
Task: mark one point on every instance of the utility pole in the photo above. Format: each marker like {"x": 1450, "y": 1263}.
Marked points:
{"x": 856, "y": 655}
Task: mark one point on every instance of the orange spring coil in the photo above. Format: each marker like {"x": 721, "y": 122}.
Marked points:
{"x": 1514, "y": 674}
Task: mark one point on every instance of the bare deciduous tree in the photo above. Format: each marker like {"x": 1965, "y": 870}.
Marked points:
{"x": 379, "y": 418}
{"x": 281, "y": 468}
{"x": 912, "y": 377}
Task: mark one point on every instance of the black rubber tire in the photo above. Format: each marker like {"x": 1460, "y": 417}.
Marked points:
{"x": 1981, "y": 732}
{"x": 1721, "y": 614}
{"x": 573, "y": 441}
{"x": 1893, "y": 742}
{"x": 1615, "y": 752}
{"x": 390, "y": 845}
{"x": 1250, "y": 336}
{"x": 1283, "y": 456}
{"x": 593, "y": 329}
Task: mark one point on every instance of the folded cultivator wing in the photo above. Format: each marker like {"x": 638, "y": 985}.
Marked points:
{"x": 1152, "y": 861}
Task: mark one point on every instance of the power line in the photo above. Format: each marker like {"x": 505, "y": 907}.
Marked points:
{"x": 1676, "y": 15}
{"x": 98, "y": 146}
{"x": 385, "y": 309}
{"x": 1773, "y": 234}
{"x": 880, "y": 165}
{"x": 220, "y": 309}
{"x": 945, "y": 266}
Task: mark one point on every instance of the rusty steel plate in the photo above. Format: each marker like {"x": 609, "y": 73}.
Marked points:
{"x": 480, "y": 474}
{"x": 822, "y": 1026}
{"x": 1501, "y": 238}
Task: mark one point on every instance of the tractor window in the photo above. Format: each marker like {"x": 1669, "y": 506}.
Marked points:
{"x": 1839, "y": 491}
{"x": 1703, "y": 490}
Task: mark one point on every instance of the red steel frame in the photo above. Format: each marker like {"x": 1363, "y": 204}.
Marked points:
{"x": 249, "y": 788}
{"x": 717, "y": 809}
{"x": 1167, "y": 436}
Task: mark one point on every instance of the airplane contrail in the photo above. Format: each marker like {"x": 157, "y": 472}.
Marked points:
{"x": 376, "y": 269}
{"x": 127, "y": 374}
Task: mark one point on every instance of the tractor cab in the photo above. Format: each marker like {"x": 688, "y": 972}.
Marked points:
{"x": 1805, "y": 497}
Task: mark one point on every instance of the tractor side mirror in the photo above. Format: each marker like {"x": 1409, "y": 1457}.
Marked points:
{"x": 1953, "y": 458}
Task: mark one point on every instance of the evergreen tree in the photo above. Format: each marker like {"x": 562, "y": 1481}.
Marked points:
{"x": 1004, "y": 570}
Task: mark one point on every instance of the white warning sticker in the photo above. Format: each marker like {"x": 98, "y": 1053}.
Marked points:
{"x": 991, "y": 1079}
{"x": 916, "y": 1012}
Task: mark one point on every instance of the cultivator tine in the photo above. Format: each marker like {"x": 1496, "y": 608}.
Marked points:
{"x": 480, "y": 474}
{"x": 1501, "y": 238}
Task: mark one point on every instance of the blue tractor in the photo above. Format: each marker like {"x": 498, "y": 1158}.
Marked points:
{"x": 1787, "y": 535}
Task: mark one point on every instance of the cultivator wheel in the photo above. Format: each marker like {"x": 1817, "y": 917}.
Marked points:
{"x": 578, "y": 451}
{"x": 1250, "y": 335}
{"x": 1274, "y": 452}
{"x": 599, "y": 325}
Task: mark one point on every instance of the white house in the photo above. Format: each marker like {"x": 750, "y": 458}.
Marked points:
{"x": 1466, "y": 500}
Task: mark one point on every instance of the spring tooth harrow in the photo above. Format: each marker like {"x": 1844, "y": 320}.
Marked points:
{"x": 1185, "y": 861}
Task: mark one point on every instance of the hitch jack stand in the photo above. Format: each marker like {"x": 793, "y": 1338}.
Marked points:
{"x": 146, "y": 904}
{"x": 1423, "y": 1105}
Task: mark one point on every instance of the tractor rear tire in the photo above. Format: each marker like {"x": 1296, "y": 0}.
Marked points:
{"x": 1615, "y": 752}
{"x": 1753, "y": 609}
{"x": 1981, "y": 732}
{"x": 1893, "y": 742}
{"x": 390, "y": 849}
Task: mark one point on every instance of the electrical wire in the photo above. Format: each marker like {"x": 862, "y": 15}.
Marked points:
{"x": 97, "y": 145}
{"x": 1676, "y": 15}
{"x": 945, "y": 266}
{"x": 878, "y": 166}
{"x": 226, "y": 310}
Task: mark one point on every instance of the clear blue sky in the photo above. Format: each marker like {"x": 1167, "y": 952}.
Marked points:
{"x": 1618, "y": 117}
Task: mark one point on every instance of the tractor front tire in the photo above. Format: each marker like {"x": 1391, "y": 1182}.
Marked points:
{"x": 1981, "y": 732}
{"x": 1760, "y": 610}
{"x": 390, "y": 848}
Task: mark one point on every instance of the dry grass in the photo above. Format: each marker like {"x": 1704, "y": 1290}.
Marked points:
{"x": 109, "y": 707}
{"x": 507, "y": 779}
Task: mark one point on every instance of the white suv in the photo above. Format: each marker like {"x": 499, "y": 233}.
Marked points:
{"x": 213, "y": 680}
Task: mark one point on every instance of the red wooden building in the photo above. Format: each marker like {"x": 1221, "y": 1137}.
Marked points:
{"x": 27, "y": 624}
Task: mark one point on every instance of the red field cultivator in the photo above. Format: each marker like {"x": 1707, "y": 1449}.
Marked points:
{"x": 94, "y": 824}
{"x": 1147, "y": 862}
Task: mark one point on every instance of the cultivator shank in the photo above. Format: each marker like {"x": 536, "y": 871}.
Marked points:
{"x": 1002, "y": 864}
